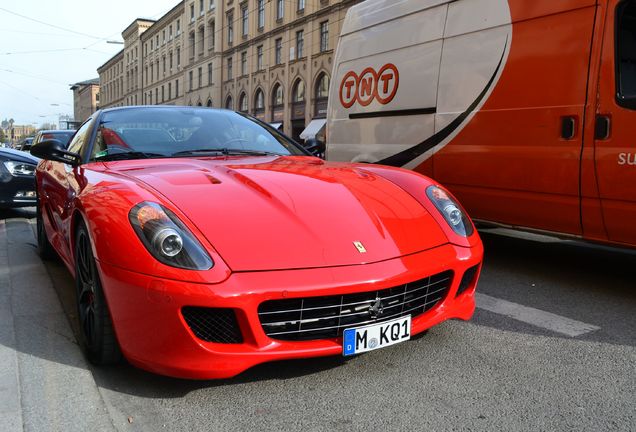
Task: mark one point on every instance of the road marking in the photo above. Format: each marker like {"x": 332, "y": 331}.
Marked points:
{"x": 536, "y": 317}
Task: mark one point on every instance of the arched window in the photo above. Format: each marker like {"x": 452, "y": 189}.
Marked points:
{"x": 229, "y": 103}
{"x": 277, "y": 96}
{"x": 209, "y": 104}
{"x": 243, "y": 102}
{"x": 321, "y": 95}
{"x": 259, "y": 100}
{"x": 322, "y": 86}
{"x": 199, "y": 104}
{"x": 298, "y": 93}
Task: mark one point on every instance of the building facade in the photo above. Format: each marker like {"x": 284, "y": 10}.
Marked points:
{"x": 269, "y": 58}
{"x": 85, "y": 99}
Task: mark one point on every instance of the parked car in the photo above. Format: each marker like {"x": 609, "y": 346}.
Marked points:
{"x": 17, "y": 178}
{"x": 204, "y": 242}
{"x": 63, "y": 136}
{"x": 25, "y": 144}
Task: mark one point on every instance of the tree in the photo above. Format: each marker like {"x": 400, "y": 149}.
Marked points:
{"x": 2, "y": 137}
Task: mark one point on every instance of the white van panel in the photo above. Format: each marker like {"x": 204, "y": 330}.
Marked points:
{"x": 468, "y": 64}
{"x": 467, "y": 16}
{"x": 421, "y": 27}
{"x": 371, "y": 13}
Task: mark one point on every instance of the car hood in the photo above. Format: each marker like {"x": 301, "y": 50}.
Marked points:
{"x": 267, "y": 213}
{"x": 17, "y": 155}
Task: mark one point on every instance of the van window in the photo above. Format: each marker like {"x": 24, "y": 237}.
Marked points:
{"x": 626, "y": 54}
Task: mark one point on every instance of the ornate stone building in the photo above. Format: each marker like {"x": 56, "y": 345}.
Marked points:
{"x": 270, "y": 58}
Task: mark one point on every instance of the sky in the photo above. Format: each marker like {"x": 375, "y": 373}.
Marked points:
{"x": 39, "y": 63}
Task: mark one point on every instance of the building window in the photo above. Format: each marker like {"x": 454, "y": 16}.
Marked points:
{"x": 211, "y": 4}
{"x": 201, "y": 39}
{"x": 178, "y": 27}
{"x": 300, "y": 42}
{"x": 277, "y": 96}
{"x": 279, "y": 51}
{"x": 170, "y": 32}
{"x": 209, "y": 104}
{"x": 324, "y": 36}
{"x": 244, "y": 63}
{"x": 230, "y": 28}
{"x": 301, "y": 5}
{"x": 280, "y": 9}
{"x": 192, "y": 13}
{"x": 259, "y": 101}
{"x": 229, "y": 103}
{"x": 243, "y": 103}
{"x": 150, "y": 97}
{"x": 322, "y": 86}
{"x": 169, "y": 91}
{"x": 163, "y": 94}
{"x": 191, "y": 41}
{"x": 259, "y": 57}
{"x": 212, "y": 32}
{"x": 210, "y": 74}
{"x": 179, "y": 57}
{"x": 157, "y": 68}
{"x": 163, "y": 63}
{"x": 261, "y": 14}
{"x": 152, "y": 45}
{"x": 191, "y": 80}
{"x": 171, "y": 60}
{"x": 163, "y": 37}
{"x": 176, "y": 88}
{"x": 152, "y": 71}
{"x": 298, "y": 93}
{"x": 229, "y": 68}
{"x": 244, "y": 21}
{"x": 200, "y": 77}
{"x": 201, "y": 8}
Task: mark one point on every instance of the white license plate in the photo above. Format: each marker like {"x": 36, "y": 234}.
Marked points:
{"x": 371, "y": 337}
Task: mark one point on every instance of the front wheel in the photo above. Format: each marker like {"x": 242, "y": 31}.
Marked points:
{"x": 96, "y": 327}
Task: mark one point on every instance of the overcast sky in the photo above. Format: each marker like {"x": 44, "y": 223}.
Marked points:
{"x": 34, "y": 86}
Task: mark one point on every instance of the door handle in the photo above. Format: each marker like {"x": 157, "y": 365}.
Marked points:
{"x": 602, "y": 127}
{"x": 568, "y": 127}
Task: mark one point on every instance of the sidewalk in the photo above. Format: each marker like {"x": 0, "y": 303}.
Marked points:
{"x": 45, "y": 381}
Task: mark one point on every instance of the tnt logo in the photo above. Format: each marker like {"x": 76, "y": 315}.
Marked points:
{"x": 370, "y": 85}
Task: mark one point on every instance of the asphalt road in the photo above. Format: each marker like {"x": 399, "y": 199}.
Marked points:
{"x": 495, "y": 372}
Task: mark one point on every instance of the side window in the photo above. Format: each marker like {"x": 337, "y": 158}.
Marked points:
{"x": 626, "y": 54}
{"x": 80, "y": 137}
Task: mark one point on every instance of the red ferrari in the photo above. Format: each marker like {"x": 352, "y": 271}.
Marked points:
{"x": 204, "y": 242}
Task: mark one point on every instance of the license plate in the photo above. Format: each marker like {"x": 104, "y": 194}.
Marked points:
{"x": 371, "y": 337}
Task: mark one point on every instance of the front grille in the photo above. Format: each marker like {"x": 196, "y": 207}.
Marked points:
{"x": 325, "y": 317}
{"x": 217, "y": 325}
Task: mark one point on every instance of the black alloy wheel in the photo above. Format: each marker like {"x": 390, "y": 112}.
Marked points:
{"x": 96, "y": 329}
{"x": 45, "y": 250}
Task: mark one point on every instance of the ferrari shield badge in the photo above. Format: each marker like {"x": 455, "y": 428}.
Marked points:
{"x": 359, "y": 246}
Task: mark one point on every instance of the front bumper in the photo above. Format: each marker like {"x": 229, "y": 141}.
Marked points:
{"x": 153, "y": 334}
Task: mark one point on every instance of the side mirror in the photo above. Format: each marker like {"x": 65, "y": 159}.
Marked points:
{"x": 54, "y": 150}
{"x": 315, "y": 147}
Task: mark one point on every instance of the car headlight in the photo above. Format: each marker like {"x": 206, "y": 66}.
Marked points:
{"x": 167, "y": 238}
{"x": 16, "y": 168}
{"x": 450, "y": 210}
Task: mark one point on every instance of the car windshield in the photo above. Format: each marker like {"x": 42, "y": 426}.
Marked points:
{"x": 63, "y": 137}
{"x": 151, "y": 132}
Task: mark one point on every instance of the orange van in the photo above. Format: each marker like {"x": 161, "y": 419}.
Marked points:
{"x": 525, "y": 110}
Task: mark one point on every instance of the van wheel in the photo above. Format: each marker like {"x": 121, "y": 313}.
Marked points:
{"x": 96, "y": 328}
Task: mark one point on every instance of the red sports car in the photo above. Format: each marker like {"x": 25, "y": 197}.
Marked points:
{"x": 204, "y": 242}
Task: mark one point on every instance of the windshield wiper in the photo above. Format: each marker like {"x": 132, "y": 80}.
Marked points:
{"x": 225, "y": 152}
{"x": 129, "y": 155}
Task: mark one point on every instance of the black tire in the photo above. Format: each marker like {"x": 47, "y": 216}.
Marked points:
{"x": 96, "y": 328}
{"x": 45, "y": 250}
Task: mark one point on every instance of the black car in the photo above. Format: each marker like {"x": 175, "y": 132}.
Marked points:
{"x": 63, "y": 136}
{"x": 17, "y": 179}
